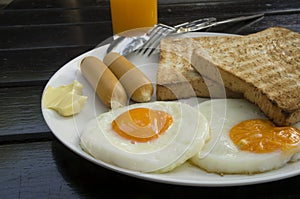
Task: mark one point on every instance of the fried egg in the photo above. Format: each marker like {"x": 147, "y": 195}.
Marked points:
{"x": 146, "y": 137}
{"x": 237, "y": 143}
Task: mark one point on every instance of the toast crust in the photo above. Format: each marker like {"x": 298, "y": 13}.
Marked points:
{"x": 177, "y": 79}
{"x": 264, "y": 66}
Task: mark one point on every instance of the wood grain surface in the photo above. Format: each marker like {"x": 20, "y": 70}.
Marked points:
{"x": 37, "y": 37}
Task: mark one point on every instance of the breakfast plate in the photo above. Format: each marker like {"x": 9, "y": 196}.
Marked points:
{"x": 69, "y": 129}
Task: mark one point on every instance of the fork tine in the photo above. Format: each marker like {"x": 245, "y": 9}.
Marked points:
{"x": 150, "y": 50}
{"x": 155, "y": 35}
{"x": 151, "y": 42}
{"x": 153, "y": 32}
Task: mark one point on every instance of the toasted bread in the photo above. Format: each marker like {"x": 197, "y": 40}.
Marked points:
{"x": 264, "y": 66}
{"x": 177, "y": 79}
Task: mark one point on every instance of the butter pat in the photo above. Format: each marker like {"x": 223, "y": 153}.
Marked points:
{"x": 67, "y": 100}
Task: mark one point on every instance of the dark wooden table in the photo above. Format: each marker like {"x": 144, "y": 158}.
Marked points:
{"x": 37, "y": 37}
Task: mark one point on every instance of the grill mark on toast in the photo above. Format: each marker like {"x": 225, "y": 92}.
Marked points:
{"x": 269, "y": 60}
{"x": 175, "y": 71}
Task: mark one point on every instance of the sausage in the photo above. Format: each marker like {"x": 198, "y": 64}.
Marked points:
{"x": 105, "y": 83}
{"x": 135, "y": 82}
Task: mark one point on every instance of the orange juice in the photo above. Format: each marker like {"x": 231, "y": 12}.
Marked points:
{"x": 131, "y": 14}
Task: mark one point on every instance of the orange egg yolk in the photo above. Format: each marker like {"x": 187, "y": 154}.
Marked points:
{"x": 262, "y": 136}
{"x": 142, "y": 124}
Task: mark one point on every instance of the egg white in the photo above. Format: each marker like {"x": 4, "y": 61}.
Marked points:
{"x": 182, "y": 140}
{"x": 221, "y": 155}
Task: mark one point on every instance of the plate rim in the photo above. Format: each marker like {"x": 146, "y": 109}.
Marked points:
{"x": 249, "y": 180}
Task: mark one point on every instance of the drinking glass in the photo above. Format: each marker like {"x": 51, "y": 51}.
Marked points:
{"x": 132, "y": 14}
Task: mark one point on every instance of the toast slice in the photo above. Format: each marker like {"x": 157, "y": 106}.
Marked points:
{"x": 264, "y": 66}
{"x": 177, "y": 79}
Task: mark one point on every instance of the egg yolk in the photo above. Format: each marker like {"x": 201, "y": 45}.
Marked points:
{"x": 142, "y": 124}
{"x": 262, "y": 136}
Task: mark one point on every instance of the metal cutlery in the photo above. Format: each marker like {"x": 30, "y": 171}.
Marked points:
{"x": 147, "y": 44}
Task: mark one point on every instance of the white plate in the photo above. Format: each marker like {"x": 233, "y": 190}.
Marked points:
{"x": 67, "y": 130}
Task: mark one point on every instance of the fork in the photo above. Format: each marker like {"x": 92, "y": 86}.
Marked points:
{"x": 155, "y": 34}
{"x": 159, "y": 31}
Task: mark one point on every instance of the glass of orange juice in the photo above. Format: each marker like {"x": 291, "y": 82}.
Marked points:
{"x": 131, "y": 14}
